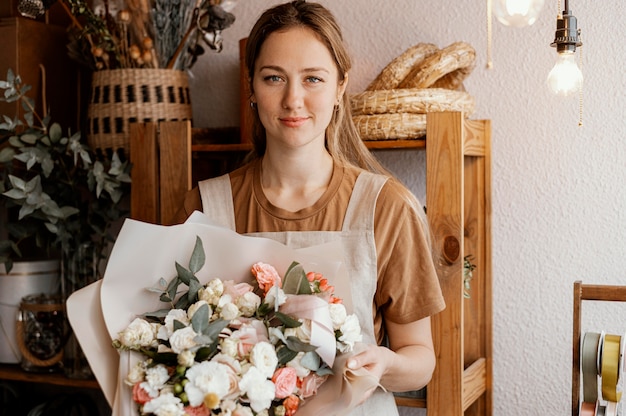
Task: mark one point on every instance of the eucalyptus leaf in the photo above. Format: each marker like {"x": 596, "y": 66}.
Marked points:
{"x": 295, "y": 281}
{"x": 311, "y": 360}
{"x": 285, "y": 355}
{"x": 200, "y": 319}
{"x": 184, "y": 275}
{"x": 287, "y": 320}
{"x": 296, "y": 344}
{"x": 197, "y": 257}
{"x": 176, "y": 325}
{"x": 214, "y": 328}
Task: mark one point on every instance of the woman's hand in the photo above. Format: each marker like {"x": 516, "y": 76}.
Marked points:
{"x": 409, "y": 361}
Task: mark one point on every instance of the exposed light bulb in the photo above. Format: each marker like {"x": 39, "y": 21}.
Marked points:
{"x": 565, "y": 78}
{"x": 517, "y": 13}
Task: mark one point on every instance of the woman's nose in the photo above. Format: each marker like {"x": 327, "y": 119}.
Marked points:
{"x": 293, "y": 97}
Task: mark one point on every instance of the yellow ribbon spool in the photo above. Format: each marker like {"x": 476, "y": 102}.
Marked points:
{"x": 611, "y": 363}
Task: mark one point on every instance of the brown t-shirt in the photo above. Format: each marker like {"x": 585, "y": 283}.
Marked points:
{"x": 408, "y": 287}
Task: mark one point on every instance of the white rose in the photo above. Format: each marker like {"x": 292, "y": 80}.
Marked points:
{"x": 186, "y": 358}
{"x": 229, "y": 311}
{"x": 338, "y": 314}
{"x": 165, "y": 331}
{"x": 263, "y": 357}
{"x": 259, "y": 390}
{"x": 273, "y": 294}
{"x": 350, "y": 333}
{"x": 183, "y": 339}
{"x": 296, "y": 365}
{"x": 136, "y": 374}
{"x": 138, "y": 334}
{"x": 212, "y": 291}
{"x": 194, "y": 308}
{"x": 246, "y": 411}
{"x": 248, "y": 303}
{"x": 226, "y": 298}
{"x": 165, "y": 405}
{"x": 228, "y": 346}
{"x": 275, "y": 335}
{"x": 303, "y": 332}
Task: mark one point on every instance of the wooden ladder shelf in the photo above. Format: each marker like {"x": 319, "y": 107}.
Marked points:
{"x": 582, "y": 292}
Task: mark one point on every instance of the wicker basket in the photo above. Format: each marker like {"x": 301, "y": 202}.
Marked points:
{"x": 122, "y": 96}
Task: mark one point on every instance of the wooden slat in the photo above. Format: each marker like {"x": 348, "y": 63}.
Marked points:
{"x": 144, "y": 194}
{"x": 410, "y": 402}
{"x": 476, "y": 137}
{"x": 175, "y": 167}
{"x": 474, "y": 382}
{"x": 487, "y": 266}
{"x": 603, "y": 292}
{"x": 444, "y": 201}
{"x": 477, "y": 243}
{"x": 576, "y": 349}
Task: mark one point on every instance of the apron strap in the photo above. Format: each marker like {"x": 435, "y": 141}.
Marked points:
{"x": 217, "y": 199}
{"x": 362, "y": 205}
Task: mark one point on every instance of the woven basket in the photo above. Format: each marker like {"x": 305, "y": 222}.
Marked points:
{"x": 412, "y": 100}
{"x": 122, "y": 96}
{"x": 390, "y": 126}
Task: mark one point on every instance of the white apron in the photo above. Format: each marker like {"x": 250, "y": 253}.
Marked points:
{"x": 357, "y": 236}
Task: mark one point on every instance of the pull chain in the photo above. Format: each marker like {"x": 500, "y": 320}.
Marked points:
{"x": 580, "y": 91}
{"x": 489, "y": 34}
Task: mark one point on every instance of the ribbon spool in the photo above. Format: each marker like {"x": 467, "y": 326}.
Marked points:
{"x": 612, "y": 363}
{"x": 591, "y": 349}
{"x": 588, "y": 409}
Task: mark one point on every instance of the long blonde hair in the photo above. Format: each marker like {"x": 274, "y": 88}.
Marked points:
{"x": 342, "y": 138}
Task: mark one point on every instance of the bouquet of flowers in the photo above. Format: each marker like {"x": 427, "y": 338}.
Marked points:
{"x": 228, "y": 347}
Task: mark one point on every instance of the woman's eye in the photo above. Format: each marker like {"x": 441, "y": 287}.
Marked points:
{"x": 313, "y": 80}
{"x": 272, "y": 78}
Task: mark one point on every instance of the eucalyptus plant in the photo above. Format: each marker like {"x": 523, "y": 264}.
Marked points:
{"x": 58, "y": 193}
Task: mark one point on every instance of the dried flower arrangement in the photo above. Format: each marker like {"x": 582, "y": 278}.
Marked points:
{"x": 117, "y": 34}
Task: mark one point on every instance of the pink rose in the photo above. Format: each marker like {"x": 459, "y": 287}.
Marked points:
{"x": 197, "y": 411}
{"x": 236, "y": 289}
{"x": 285, "y": 380}
{"x": 291, "y": 404}
{"x": 310, "y": 384}
{"x": 140, "y": 395}
{"x": 248, "y": 336}
{"x": 266, "y": 276}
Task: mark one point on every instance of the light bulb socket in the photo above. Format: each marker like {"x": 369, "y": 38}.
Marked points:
{"x": 566, "y": 37}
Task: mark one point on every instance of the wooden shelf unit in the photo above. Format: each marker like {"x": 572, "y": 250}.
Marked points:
{"x": 13, "y": 372}
{"x": 458, "y": 201}
{"x": 606, "y": 293}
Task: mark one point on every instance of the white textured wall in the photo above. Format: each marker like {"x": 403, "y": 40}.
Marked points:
{"x": 559, "y": 200}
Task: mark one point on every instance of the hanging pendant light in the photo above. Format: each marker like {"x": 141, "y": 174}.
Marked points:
{"x": 566, "y": 78}
{"x": 517, "y": 13}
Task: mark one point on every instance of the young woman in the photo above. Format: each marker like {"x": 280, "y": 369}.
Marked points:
{"x": 310, "y": 180}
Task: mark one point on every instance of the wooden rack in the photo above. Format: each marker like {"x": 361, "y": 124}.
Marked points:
{"x": 458, "y": 200}
{"x": 587, "y": 292}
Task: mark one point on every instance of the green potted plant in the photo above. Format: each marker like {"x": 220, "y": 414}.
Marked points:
{"x": 60, "y": 198}
{"x": 59, "y": 193}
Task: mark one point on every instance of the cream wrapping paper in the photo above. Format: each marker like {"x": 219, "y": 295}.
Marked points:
{"x": 144, "y": 253}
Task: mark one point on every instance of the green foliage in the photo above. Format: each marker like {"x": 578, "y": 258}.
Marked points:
{"x": 59, "y": 193}
{"x": 468, "y": 271}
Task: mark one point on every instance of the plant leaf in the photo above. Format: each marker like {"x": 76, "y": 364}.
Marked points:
{"x": 197, "y": 257}
{"x": 287, "y": 320}
{"x": 295, "y": 281}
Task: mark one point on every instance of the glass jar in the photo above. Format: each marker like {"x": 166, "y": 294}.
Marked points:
{"x": 41, "y": 332}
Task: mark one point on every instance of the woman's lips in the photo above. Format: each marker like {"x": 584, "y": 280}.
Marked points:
{"x": 293, "y": 121}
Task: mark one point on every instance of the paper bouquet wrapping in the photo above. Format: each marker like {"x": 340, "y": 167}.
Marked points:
{"x": 218, "y": 347}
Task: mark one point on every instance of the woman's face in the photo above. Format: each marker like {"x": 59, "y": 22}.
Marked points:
{"x": 296, "y": 87}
